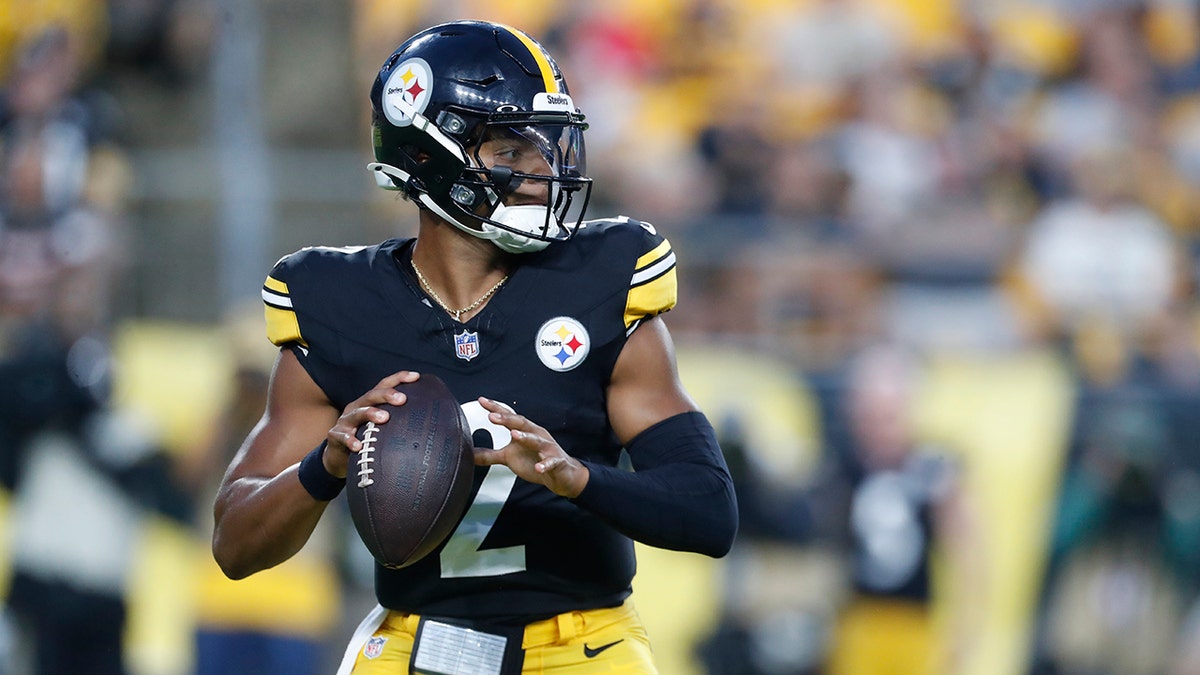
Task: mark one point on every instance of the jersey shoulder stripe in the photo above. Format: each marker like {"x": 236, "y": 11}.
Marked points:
{"x": 654, "y": 286}
{"x": 312, "y": 264}
{"x": 282, "y": 325}
{"x": 651, "y": 286}
{"x": 654, "y": 264}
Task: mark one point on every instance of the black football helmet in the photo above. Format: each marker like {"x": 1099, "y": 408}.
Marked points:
{"x": 456, "y": 87}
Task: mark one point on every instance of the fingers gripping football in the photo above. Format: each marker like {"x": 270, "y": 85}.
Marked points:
{"x": 341, "y": 441}
{"x": 533, "y": 454}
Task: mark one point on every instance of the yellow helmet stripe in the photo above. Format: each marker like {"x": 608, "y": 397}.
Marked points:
{"x": 539, "y": 56}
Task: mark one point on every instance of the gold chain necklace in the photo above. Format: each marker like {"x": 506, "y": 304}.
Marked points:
{"x": 436, "y": 298}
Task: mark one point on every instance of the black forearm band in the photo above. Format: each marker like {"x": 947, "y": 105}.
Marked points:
{"x": 322, "y": 485}
{"x": 679, "y": 496}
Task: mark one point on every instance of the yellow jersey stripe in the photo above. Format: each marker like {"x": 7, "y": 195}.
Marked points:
{"x": 539, "y": 56}
{"x": 652, "y": 297}
{"x": 275, "y": 285}
{"x": 654, "y": 287}
{"x": 654, "y": 270}
{"x": 648, "y": 258}
{"x": 282, "y": 326}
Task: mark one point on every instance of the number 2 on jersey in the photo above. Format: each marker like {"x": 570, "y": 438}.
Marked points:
{"x": 462, "y": 557}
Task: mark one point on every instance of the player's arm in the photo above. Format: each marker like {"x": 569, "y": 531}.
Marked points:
{"x": 263, "y": 512}
{"x": 680, "y": 495}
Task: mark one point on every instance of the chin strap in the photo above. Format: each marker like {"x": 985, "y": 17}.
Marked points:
{"x": 527, "y": 218}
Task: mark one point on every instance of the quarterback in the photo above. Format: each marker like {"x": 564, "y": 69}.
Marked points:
{"x": 545, "y": 327}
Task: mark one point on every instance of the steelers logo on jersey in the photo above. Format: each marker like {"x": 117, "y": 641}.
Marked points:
{"x": 562, "y": 343}
{"x": 407, "y": 91}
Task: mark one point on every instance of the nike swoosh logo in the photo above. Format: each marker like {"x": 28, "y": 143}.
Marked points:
{"x": 592, "y": 653}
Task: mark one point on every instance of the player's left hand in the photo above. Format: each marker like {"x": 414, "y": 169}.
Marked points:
{"x": 533, "y": 454}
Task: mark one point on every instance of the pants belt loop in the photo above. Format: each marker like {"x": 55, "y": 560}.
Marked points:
{"x": 566, "y": 627}
{"x": 411, "y": 621}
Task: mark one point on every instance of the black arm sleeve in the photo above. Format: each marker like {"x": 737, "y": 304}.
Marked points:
{"x": 679, "y": 496}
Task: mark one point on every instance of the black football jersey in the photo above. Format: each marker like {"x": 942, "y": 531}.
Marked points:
{"x": 545, "y": 344}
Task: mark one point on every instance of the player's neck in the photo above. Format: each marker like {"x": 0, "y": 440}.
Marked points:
{"x": 457, "y": 267}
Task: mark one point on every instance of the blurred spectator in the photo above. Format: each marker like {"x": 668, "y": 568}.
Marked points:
{"x": 783, "y": 581}
{"x": 71, "y": 551}
{"x": 740, "y": 158}
{"x": 808, "y": 190}
{"x": 881, "y": 506}
{"x": 82, "y": 476}
{"x": 60, "y": 248}
{"x": 1098, "y": 260}
{"x": 1124, "y": 550}
{"x": 21, "y": 21}
{"x": 62, "y": 188}
{"x": 888, "y": 151}
{"x": 829, "y": 43}
{"x": 807, "y": 305}
{"x": 1109, "y": 100}
{"x": 903, "y": 507}
{"x": 167, "y": 39}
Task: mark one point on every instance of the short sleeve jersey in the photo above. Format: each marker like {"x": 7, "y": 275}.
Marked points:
{"x": 545, "y": 344}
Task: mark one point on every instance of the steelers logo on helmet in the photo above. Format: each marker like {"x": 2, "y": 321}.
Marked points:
{"x": 562, "y": 343}
{"x": 407, "y": 91}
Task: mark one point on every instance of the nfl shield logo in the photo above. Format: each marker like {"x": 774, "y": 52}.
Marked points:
{"x": 466, "y": 345}
{"x": 374, "y": 646}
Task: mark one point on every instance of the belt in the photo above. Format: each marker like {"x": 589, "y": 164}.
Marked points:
{"x": 559, "y": 629}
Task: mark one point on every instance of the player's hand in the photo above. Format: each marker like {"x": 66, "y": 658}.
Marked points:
{"x": 341, "y": 441}
{"x": 533, "y": 454}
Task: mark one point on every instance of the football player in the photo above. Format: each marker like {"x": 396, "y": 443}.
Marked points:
{"x": 547, "y": 330}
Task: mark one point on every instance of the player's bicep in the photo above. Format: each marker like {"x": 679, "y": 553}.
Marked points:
{"x": 645, "y": 387}
{"x": 296, "y": 419}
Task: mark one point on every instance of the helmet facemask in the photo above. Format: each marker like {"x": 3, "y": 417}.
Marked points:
{"x": 525, "y": 185}
{"x": 538, "y": 165}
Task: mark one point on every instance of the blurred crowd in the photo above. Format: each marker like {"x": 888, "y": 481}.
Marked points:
{"x": 939, "y": 265}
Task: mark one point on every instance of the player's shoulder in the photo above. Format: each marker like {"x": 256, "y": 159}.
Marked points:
{"x": 618, "y": 231}
{"x": 628, "y": 257}
{"x": 326, "y": 260}
{"x": 317, "y": 269}
{"x": 620, "y": 243}
{"x": 309, "y": 283}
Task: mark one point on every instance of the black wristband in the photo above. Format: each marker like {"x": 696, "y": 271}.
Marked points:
{"x": 322, "y": 485}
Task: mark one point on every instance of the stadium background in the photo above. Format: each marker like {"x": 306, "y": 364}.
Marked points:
{"x": 834, "y": 175}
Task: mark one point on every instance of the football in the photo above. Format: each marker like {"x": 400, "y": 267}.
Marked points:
{"x": 410, "y": 483}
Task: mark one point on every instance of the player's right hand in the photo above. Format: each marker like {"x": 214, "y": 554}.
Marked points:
{"x": 341, "y": 439}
